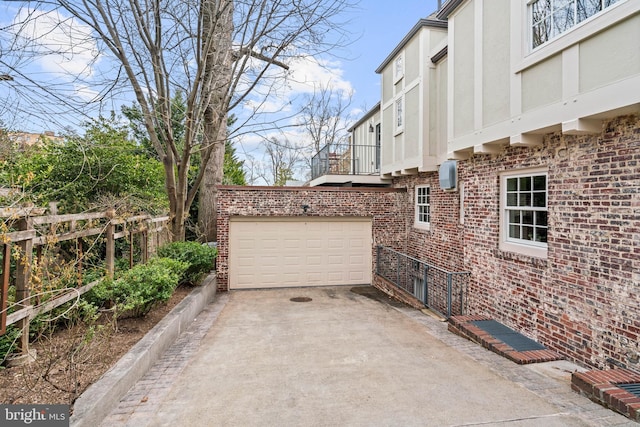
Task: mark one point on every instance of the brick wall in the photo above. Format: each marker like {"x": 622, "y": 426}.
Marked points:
{"x": 442, "y": 244}
{"x": 384, "y": 205}
{"x": 583, "y": 300}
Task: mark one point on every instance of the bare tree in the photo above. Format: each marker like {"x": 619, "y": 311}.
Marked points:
{"x": 325, "y": 116}
{"x": 217, "y": 52}
{"x": 282, "y": 159}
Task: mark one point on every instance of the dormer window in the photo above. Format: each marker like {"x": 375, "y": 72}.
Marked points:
{"x": 549, "y": 18}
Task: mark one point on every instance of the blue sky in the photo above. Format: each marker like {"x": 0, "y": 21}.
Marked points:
{"x": 382, "y": 24}
{"x": 375, "y": 26}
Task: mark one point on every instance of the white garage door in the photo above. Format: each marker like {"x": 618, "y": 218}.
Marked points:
{"x": 282, "y": 252}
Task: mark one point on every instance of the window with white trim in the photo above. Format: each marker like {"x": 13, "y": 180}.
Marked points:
{"x": 398, "y": 69}
{"x": 423, "y": 206}
{"x": 399, "y": 113}
{"x": 549, "y": 18}
{"x": 524, "y": 212}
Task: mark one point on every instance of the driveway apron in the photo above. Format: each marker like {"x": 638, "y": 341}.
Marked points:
{"x": 332, "y": 357}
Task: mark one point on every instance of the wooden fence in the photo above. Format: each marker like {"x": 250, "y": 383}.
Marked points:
{"x": 26, "y": 235}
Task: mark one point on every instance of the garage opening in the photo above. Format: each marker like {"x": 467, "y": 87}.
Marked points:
{"x": 278, "y": 252}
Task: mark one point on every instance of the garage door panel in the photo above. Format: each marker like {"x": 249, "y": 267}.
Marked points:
{"x": 294, "y": 252}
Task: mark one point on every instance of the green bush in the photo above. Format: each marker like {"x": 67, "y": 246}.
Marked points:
{"x": 138, "y": 290}
{"x": 199, "y": 257}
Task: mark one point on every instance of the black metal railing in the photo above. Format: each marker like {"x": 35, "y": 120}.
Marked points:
{"x": 440, "y": 290}
{"x": 346, "y": 159}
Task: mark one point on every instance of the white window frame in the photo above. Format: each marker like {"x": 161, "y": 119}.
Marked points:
{"x": 571, "y": 6}
{"x": 420, "y": 203}
{"x": 398, "y": 69}
{"x": 522, "y": 246}
{"x": 398, "y": 114}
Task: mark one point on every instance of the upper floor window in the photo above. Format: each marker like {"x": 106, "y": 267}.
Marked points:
{"x": 398, "y": 69}
{"x": 550, "y": 18}
{"x": 399, "y": 114}
{"x": 524, "y": 212}
{"x": 423, "y": 206}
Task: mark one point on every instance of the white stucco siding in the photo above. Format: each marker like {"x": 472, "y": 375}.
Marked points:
{"x": 438, "y": 111}
{"x": 496, "y": 73}
{"x": 436, "y": 38}
{"x": 463, "y": 71}
{"x": 412, "y": 139}
{"x": 542, "y": 84}
{"x": 387, "y": 140}
{"x": 609, "y": 56}
{"x": 412, "y": 60}
{"x": 387, "y": 87}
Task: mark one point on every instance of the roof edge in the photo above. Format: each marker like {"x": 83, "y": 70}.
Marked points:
{"x": 448, "y": 8}
{"x": 366, "y": 117}
{"x": 440, "y": 55}
{"x": 424, "y": 22}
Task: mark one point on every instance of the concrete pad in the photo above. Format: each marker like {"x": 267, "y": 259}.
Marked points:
{"x": 339, "y": 359}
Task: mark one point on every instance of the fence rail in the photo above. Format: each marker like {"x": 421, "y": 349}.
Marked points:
{"x": 27, "y": 236}
{"x": 438, "y": 289}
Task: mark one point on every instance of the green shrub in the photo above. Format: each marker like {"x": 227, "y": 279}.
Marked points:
{"x": 199, "y": 257}
{"x": 138, "y": 290}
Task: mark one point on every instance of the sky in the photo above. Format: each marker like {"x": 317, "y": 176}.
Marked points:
{"x": 375, "y": 29}
{"x": 382, "y": 25}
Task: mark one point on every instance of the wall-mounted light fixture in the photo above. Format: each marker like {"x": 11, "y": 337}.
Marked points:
{"x": 305, "y": 208}
{"x": 370, "y": 127}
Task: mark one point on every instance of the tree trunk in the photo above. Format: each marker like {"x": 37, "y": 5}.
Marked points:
{"x": 214, "y": 171}
{"x": 218, "y": 25}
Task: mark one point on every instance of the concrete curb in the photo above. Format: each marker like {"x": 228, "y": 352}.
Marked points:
{"x": 102, "y": 396}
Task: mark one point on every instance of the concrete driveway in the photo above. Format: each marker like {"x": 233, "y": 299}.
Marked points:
{"x": 346, "y": 359}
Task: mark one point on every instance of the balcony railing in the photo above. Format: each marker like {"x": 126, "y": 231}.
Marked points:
{"x": 346, "y": 159}
{"x": 440, "y": 290}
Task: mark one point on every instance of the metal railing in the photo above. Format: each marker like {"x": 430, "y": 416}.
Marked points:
{"x": 346, "y": 159}
{"x": 440, "y": 290}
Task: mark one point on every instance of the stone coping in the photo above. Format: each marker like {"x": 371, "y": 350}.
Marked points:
{"x": 102, "y": 396}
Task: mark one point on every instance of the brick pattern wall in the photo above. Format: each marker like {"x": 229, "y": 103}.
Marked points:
{"x": 384, "y": 205}
{"x": 442, "y": 244}
{"x": 583, "y": 300}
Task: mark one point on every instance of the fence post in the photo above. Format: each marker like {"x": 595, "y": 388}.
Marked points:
{"x": 449, "y": 297}
{"x": 6, "y": 266}
{"x": 111, "y": 244}
{"x": 426, "y": 285}
{"x": 23, "y": 279}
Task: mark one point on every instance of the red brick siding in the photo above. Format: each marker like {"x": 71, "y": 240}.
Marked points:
{"x": 582, "y": 301}
{"x": 442, "y": 244}
{"x": 384, "y": 206}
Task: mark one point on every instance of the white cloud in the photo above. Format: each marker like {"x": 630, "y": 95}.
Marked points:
{"x": 278, "y": 90}
{"x": 65, "y": 46}
{"x": 308, "y": 74}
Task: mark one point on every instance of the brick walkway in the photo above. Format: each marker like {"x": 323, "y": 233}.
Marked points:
{"x": 147, "y": 395}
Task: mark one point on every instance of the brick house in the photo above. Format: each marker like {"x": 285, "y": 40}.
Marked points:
{"x": 536, "y": 110}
